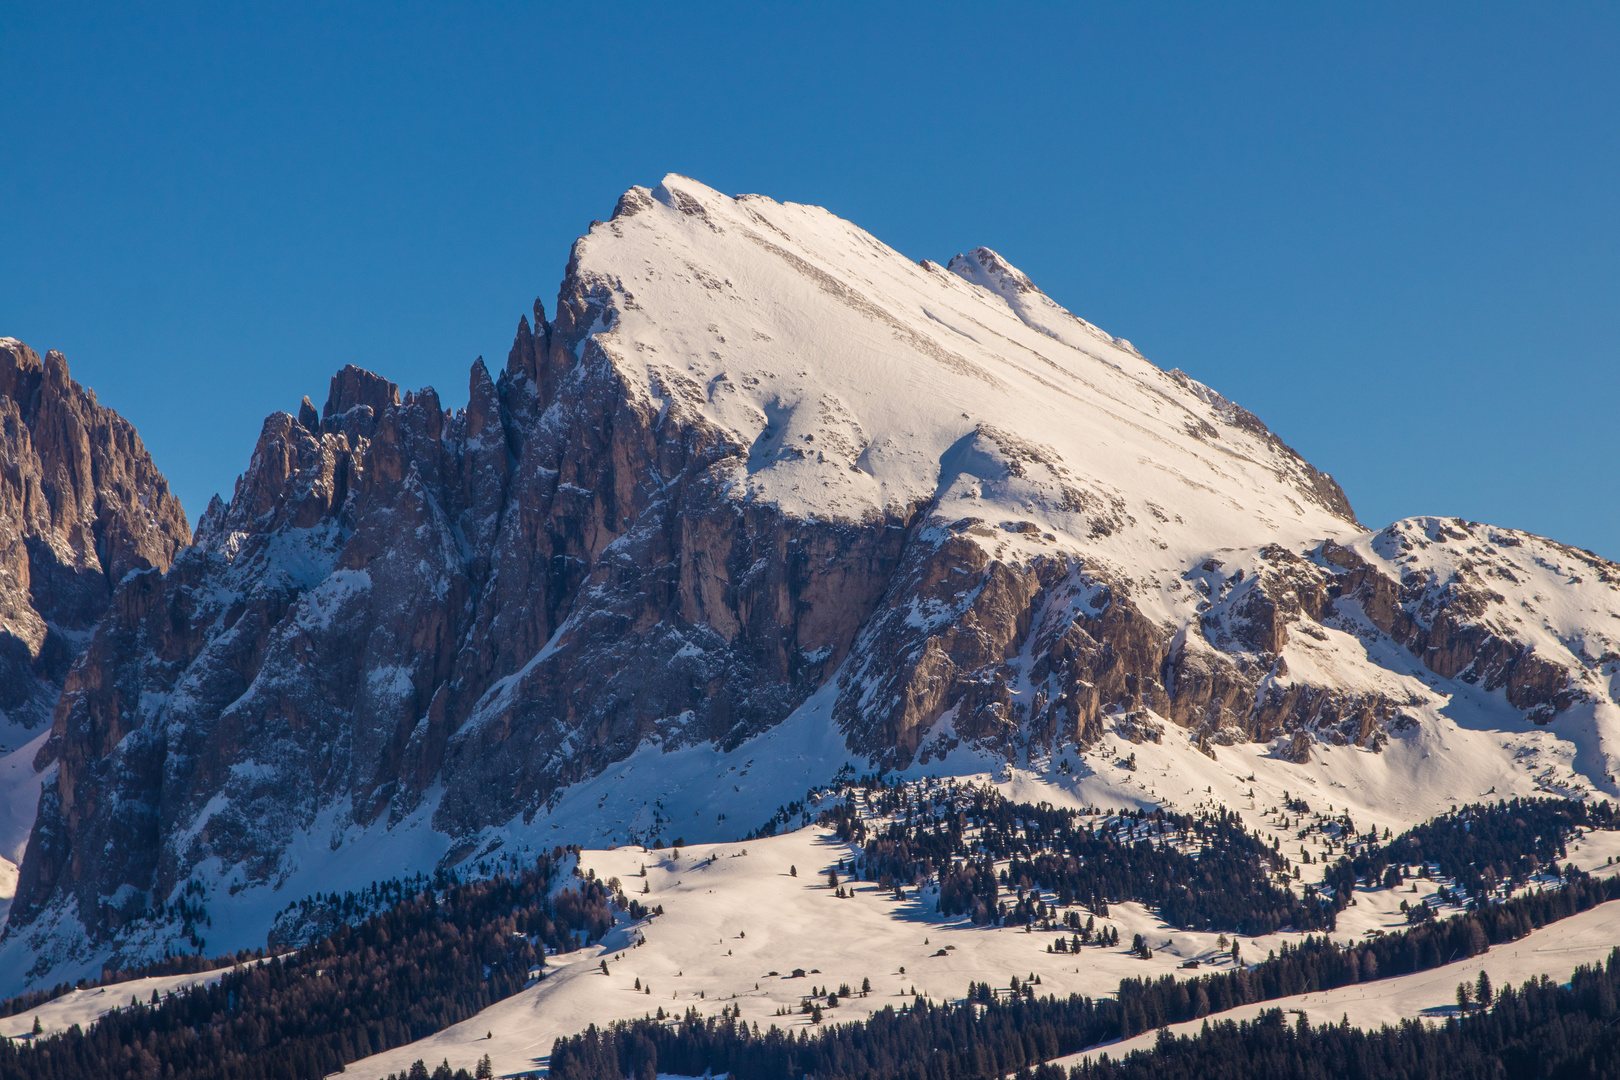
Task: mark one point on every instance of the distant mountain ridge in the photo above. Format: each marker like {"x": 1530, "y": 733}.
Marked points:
{"x": 762, "y": 474}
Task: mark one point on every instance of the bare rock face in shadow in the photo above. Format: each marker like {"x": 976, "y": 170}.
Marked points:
{"x": 81, "y": 506}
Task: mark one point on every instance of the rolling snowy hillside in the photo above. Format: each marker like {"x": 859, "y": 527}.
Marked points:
{"x": 1430, "y": 996}
{"x": 737, "y": 922}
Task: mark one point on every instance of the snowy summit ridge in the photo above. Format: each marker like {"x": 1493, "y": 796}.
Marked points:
{"x": 762, "y": 501}
{"x": 852, "y": 374}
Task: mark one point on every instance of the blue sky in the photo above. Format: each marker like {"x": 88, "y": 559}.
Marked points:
{"x": 1392, "y": 231}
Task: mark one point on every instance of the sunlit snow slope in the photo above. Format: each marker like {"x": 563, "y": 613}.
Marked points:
{"x": 860, "y": 381}
{"x": 1552, "y": 952}
{"x": 738, "y": 921}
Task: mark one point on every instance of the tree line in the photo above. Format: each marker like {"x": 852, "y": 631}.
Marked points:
{"x": 1484, "y": 848}
{"x": 986, "y": 1037}
{"x": 406, "y": 958}
{"x": 1204, "y": 871}
{"x": 431, "y": 960}
{"x": 1540, "y": 1029}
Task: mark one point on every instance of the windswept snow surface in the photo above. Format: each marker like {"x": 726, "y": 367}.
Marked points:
{"x": 1560, "y": 601}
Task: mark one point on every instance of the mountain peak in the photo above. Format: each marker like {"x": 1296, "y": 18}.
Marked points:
{"x": 983, "y": 266}
{"x": 767, "y": 492}
{"x": 354, "y": 386}
{"x": 845, "y": 373}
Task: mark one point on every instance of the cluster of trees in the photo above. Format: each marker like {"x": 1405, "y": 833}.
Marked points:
{"x": 1203, "y": 872}
{"x": 177, "y": 964}
{"x": 1200, "y": 872}
{"x": 1084, "y": 934}
{"x": 299, "y": 923}
{"x": 429, "y": 961}
{"x": 1484, "y": 848}
{"x": 419, "y": 1071}
{"x": 311, "y": 918}
{"x": 1318, "y": 963}
{"x": 1540, "y": 1029}
{"x": 989, "y": 1035}
{"x": 963, "y": 1041}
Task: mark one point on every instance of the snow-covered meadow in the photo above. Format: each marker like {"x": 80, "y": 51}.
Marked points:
{"x": 738, "y": 922}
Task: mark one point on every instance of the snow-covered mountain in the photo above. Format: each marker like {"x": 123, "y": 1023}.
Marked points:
{"x": 767, "y": 500}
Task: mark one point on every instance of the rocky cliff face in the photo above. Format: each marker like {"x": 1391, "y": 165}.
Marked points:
{"x": 758, "y": 466}
{"x": 1027, "y": 650}
{"x": 81, "y": 506}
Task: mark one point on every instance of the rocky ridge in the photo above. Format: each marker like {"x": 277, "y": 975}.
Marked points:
{"x": 81, "y": 506}
{"x": 757, "y": 467}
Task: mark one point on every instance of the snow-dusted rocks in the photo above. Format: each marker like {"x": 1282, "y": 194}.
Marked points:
{"x": 764, "y": 474}
{"x": 81, "y": 505}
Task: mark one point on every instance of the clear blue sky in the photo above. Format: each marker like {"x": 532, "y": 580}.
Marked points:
{"x": 1391, "y": 231}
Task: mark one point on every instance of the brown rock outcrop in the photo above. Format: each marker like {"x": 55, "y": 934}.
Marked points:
{"x": 81, "y": 506}
{"x": 1452, "y": 625}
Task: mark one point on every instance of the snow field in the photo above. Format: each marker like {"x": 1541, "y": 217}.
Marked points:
{"x": 734, "y": 913}
{"x": 19, "y": 799}
{"x": 1555, "y": 950}
{"x": 85, "y": 1007}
